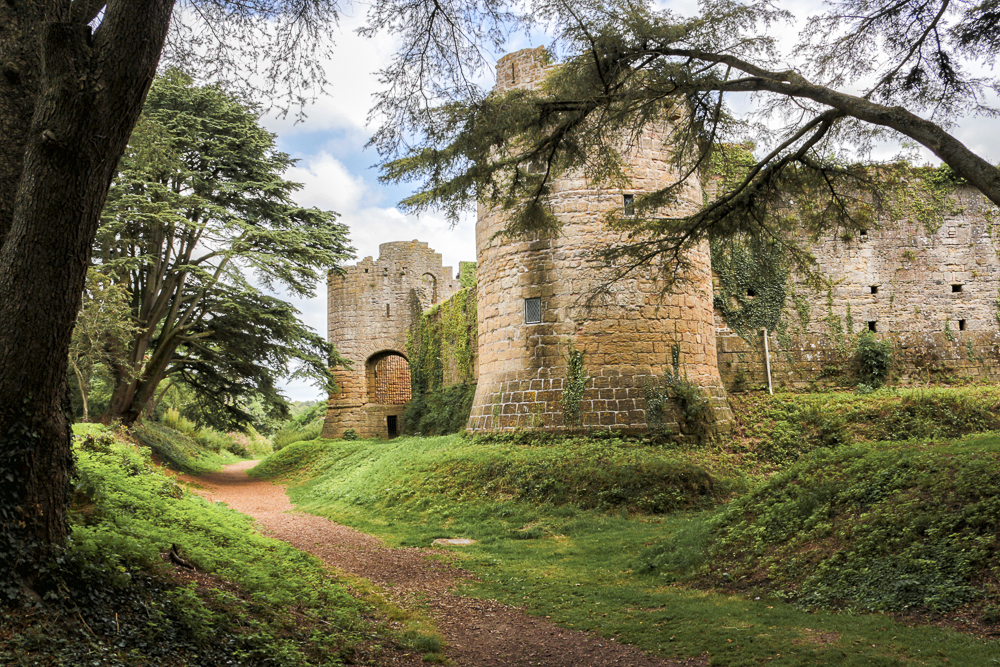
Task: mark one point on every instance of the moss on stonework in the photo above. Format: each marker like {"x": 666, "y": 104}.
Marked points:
{"x": 443, "y": 337}
{"x": 752, "y": 284}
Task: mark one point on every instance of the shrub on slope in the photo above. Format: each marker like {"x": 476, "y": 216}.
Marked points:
{"x": 886, "y": 527}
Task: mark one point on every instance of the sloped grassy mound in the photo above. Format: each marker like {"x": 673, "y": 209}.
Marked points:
{"x": 179, "y": 451}
{"x": 877, "y": 527}
{"x": 779, "y": 428}
{"x": 603, "y": 474}
{"x": 117, "y": 597}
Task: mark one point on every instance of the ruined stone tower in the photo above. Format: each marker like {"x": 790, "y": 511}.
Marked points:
{"x": 532, "y": 315}
{"x": 370, "y": 315}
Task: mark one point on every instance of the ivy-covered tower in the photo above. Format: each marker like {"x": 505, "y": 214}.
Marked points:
{"x": 371, "y": 312}
{"x": 549, "y": 361}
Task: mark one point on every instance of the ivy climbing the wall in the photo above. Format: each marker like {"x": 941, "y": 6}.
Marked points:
{"x": 674, "y": 396}
{"x": 441, "y": 348}
{"x": 576, "y": 383}
{"x": 752, "y": 287}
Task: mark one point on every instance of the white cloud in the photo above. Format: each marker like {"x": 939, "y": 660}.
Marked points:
{"x": 352, "y": 72}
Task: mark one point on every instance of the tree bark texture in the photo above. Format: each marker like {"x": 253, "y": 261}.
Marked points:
{"x": 65, "y": 121}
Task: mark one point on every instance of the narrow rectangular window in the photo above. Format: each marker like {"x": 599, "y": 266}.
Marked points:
{"x": 628, "y": 204}
{"x": 961, "y": 325}
{"x": 532, "y": 311}
{"x": 387, "y": 310}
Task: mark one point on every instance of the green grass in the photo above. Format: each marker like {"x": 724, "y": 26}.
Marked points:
{"x": 608, "y": 473}
{"x": 885, "y": 527}
{"x": 617, "y": 569}
{"x": 113, "y": 599}
{"x": 179, "y": 451}
{"x": 775, "y": 430}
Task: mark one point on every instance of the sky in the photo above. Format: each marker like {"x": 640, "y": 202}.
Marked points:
{"x": 338, "y": 173}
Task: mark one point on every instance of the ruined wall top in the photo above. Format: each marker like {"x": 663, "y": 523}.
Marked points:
{"x": 526, "y": 68}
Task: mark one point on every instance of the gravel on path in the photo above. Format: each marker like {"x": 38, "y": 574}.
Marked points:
{"x": 479, "y": 633}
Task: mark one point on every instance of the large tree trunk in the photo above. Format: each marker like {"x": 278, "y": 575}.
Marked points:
{"x": 132, "y": 394}
{"x": 88, "y": 96}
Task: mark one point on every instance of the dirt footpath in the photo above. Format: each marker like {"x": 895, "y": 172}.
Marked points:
{"x": 479, "y": 633}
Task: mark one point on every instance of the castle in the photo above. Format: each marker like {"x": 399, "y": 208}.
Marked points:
{"x": 549, "y": 361}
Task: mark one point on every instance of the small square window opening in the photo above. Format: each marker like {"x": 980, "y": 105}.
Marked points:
{"x": 956, "y": 288}
{"x": 628, "y": 204}
{"x": 872, "y": 325}
{"x": 863, "y": 232}
{"x": 874, "y": 289}
{"x": 532, "y": 311}
{"x": 751, "y": 292}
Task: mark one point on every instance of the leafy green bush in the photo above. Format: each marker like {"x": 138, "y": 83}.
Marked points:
{"x": 250, "y": 444}
{"x": 674, "y": 396}
{"x": 307, "y": 425}
{"x": 874, "y": 359}
{"x": 293, "y": 433}
{"x": 876, "y": 528}
{"x": 179, "y": 451}
{"x": 244, "y": 445}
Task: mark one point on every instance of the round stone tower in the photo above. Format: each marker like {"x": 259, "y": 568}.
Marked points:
{"x": 534, "y": 319}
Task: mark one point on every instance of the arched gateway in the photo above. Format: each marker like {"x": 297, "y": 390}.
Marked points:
{"x": 371, "y": 311}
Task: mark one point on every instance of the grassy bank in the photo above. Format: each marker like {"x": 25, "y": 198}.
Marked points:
{"x": 561, "y": 531}
{"x": 888, "y": 527}
{"x": 772, "y": 431}
{"x": 156, "y": 575}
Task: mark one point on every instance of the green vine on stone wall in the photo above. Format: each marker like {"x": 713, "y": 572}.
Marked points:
{"x": 926, "y": 195}
{"x": 729, "y": 164}
{"x": 695, "y": 415}
{"x": 576, "y": 383}
{"x": 442, "y": 336}
{"x": 753, "y": 278}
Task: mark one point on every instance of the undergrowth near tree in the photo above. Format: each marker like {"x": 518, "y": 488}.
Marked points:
{"x": 305, "y": 426}
{"x": 154, "y": 575}
{"x": 181, "y": 452}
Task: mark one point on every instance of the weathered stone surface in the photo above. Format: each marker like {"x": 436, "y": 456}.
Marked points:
{"x": 627, "y": 338}
{"x": 369, "y": 318}
{"x": 935, "y": 297}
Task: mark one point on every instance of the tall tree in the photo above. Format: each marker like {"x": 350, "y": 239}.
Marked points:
{"x": 73, "y": 78}
{"x": 629, "y": 66}
{"x": 198, "y": 200}
{"x": 103, "y": 329}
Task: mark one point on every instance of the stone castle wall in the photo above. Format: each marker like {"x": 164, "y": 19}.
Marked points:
{"x": 627, "y": 340}
{"x": 369, "y": 319}
{"x": 930, "y": 287}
